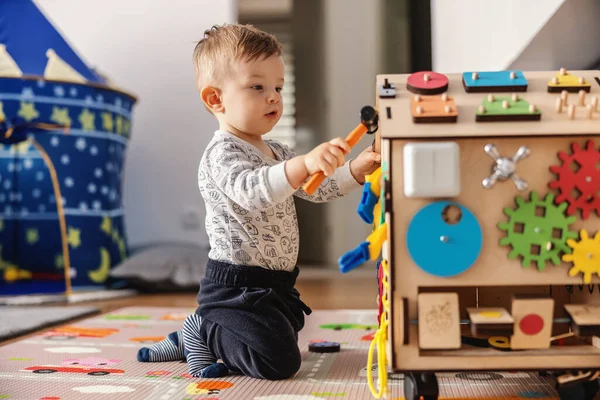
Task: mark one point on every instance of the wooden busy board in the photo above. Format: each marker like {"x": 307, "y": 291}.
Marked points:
{"x": 434, "y": 167}
{"x": 400, "y": 123}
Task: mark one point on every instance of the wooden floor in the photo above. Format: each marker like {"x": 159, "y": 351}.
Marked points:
{"x": 327, "y": 289}
{"x": 319, "y": 289}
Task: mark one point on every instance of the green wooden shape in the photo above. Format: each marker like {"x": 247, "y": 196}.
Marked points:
{"x": 521, "y": 106}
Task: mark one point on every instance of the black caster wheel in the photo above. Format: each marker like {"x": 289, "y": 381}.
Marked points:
{"x": 410, "y": 388}
{"x": 419, "y": 386}
{"x": 591, "y": 389}
{"x": 571, "y": 392}
{"x": 579, "y": 391}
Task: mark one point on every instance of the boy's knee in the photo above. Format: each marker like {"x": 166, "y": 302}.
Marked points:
{"x": 280, "y": 367}
{"x": 288, "y": 369}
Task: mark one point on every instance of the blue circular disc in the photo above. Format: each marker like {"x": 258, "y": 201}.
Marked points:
{"x": 443, "y": 248}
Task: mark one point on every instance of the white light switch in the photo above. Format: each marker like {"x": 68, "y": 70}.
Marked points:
{"x": 431, "y": 169}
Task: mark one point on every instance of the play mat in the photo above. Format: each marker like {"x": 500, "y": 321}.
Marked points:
{"x": 96, "y": 359}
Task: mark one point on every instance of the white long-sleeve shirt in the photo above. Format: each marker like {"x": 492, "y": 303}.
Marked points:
{"x": 250, "y": 212}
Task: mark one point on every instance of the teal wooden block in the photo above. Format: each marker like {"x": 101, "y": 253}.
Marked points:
{"x": 494, "y": 81}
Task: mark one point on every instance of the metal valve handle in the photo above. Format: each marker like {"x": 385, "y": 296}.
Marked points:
{"x": 505, "y": 168}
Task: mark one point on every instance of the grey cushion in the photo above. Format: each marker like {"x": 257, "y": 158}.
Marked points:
{"x": 19, "y": 320}
{"x": 164, "y": 267}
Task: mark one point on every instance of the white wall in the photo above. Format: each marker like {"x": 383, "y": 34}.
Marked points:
{"x": 471, "y": 35}
{"x": 352, "y": 61}
{"x": 146, "y": 47}
{"x": 265, "y": 8}
{"x": 565, "y": 40}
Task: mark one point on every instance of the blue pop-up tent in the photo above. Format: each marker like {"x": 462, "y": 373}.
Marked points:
{"x": 64, "y": 130}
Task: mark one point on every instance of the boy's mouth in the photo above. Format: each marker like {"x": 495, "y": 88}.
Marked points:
{"x": 272, "y": 114}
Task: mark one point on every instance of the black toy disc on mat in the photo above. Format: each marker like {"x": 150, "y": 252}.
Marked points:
{"x": 324, "y": 347}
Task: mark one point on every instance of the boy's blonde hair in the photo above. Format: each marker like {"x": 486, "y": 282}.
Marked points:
{"x": 222, "y": 45}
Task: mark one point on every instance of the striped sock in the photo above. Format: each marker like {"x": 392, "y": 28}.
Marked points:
{"x": 201, "y": 362}
{"x": 169, "y": 349}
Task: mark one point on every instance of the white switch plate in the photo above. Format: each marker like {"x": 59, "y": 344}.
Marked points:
{"x": 431, "y": 169}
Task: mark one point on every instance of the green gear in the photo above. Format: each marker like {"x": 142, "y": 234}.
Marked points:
{"x": 537, "y": 230}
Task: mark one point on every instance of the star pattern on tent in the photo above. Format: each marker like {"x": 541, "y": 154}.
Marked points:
{"x": 21, "y": 147}
{"x": 28, "y": 111}
{"x": 74, "y": 237}
{"x": 59, "y": 261}
{"x": 32, "y": 236}
{"x": 87, "y": 120}
{"x": 107, "y": 122}
{"x": 61, "y": 116}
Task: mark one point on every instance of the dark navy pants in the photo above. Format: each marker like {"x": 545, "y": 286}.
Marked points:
{"x": 251, "y": 317}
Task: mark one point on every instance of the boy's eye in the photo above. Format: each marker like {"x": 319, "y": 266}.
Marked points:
{"x": 257, "y": 87}
{"x": 278, "y": 89}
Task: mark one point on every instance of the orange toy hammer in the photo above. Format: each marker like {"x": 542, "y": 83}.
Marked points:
{"x": 368, "y": 124}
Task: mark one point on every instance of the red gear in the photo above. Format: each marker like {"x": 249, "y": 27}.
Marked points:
{"x": 584, "y": 177}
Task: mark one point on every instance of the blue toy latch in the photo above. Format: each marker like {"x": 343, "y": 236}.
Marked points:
{"x": 367, "y": 204}
{"x": 354, "y": 258}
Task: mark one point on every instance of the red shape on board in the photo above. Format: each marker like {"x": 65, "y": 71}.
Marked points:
{"x": 531, "y": 324}
{"x": 436, "y": 81}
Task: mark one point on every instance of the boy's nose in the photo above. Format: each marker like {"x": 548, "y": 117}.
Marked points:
{"x": 273, "y": 98}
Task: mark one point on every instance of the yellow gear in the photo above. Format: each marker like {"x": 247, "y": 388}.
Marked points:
{"x": 585, "y": 256}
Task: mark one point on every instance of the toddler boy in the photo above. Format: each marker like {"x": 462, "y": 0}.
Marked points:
{"x": 249, "y": 312}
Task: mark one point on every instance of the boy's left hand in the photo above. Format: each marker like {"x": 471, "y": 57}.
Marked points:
{"x": 365, "y": 164}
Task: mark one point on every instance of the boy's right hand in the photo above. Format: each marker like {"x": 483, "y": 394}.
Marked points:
{"x": 327, "y": 157}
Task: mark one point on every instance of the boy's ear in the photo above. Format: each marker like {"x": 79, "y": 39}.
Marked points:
{"x": 211, "y": 96}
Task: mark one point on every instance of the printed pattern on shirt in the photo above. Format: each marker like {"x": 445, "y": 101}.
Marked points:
{"x": 245, "y": 222}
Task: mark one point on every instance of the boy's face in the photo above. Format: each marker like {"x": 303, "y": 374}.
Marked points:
{"x": 251, "y": 96}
